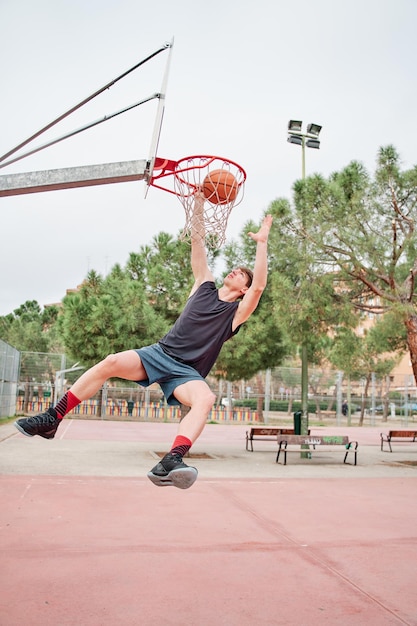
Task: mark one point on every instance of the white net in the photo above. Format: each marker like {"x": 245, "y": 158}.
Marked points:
{"x": 225, "y": 190}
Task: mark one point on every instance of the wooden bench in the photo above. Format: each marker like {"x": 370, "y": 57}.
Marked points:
{"x": 263, "y": 433}
{"x": 317, "y": 443}
{"x": 400, "y": 436}
{"x": 326, "y": 413}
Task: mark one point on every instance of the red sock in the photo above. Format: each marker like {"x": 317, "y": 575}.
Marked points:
{"x": 66, "y": 404}
{"x": 181, "y": 445}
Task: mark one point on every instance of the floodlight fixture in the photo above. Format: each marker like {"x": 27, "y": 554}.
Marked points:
{"x": 309, "y": 139}
{"x": 314, "y": 129}
{"x": 295, "y": 126}
{"x": 295, "y": 139}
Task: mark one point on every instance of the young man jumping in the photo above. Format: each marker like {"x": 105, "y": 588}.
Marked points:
{"x": 182, "y": 359}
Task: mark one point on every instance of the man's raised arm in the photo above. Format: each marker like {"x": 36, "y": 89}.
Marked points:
{"x": 199, "y": 265}
{"x": 251, "y": 298}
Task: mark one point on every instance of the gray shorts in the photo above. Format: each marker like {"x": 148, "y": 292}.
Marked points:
{"x": 164, "y": 370}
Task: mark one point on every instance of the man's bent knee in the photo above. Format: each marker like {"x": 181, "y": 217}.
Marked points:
{"x": 205, "y": 401}
{"x": 110, "y": 363}
{"x": 196, "y": 393}
{"x": 211, "y": 399}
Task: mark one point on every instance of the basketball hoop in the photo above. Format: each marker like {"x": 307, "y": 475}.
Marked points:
{"x": 222, "y": 183}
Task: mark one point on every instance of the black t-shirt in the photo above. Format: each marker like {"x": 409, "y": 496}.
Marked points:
{"x": 202, "y": 328}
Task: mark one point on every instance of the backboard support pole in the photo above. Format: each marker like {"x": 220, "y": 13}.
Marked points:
{"x": 72, "y": 177}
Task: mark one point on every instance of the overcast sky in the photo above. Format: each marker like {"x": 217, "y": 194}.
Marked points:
{"x": 239, "y": 72}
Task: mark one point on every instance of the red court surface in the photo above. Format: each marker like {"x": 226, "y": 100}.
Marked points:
{"x": 321, "y": 543}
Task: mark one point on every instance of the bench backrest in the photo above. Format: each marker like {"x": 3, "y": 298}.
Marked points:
{"x": 288, "y": 431}
{"x": 270, "y": 432}
{"x": 258, "y": 430}
{"x": 314, "y": 440}
{"x": 402, "y": 433}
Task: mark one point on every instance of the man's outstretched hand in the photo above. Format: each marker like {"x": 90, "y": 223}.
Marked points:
{"x": 263, "y": 232}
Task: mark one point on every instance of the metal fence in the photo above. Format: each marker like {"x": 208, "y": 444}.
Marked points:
{"x": 9, "y": 378}
{"x": 30, "y": 382}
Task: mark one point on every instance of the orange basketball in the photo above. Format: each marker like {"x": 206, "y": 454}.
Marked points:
{"x": 220, "y": 186}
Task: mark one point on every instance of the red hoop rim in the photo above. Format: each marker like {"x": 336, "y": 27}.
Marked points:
{"x": 170, "y": 168}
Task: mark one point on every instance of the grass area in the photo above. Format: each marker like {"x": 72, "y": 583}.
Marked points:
{"x": 6, "y": 420}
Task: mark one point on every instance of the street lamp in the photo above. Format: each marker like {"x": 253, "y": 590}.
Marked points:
{"x": 311, "y": 140}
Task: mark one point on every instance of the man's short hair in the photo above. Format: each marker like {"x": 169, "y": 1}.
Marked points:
{"x": 249, "y": 275}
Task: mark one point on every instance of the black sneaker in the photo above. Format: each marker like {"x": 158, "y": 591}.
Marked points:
{"x": 44, "y": 424}
{"x": 172, "y": 471}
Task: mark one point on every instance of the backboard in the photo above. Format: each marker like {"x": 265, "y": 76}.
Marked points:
{"x": 153, "y": 150}
{"x": 82, "y": 176}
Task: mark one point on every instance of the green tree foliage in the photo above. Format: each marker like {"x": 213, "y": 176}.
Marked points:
{"x": 34, "y": 333}
{"x": 306, "y": 305}
{"x": 257, "y": 346}
{"x": 371, "y": 242}
{"x": 108, "y": 315}
{"x": 131, "y": 307}
{"x": 360, "y": 357}
{"x": 357, "y": 247}
{"x": 30, "y": 329}
{"x": 164, "y": 271}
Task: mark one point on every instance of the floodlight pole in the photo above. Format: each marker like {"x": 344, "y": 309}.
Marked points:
{"x": 295, "y": 135}
{"x": 304, "y": 355}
